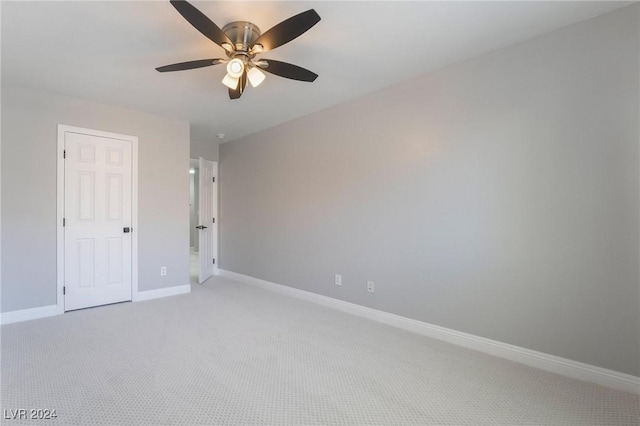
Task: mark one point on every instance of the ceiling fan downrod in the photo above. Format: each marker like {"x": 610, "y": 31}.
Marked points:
{"x": 243, "y": 34}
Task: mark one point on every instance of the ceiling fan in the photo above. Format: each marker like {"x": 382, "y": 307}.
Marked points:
{"x": 242, "y": 41}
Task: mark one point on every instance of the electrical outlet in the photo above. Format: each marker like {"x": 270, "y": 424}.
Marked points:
{"x": 338, "y": 280}
{"x": 163, "y": 271}
{"x": 371, "y": 287}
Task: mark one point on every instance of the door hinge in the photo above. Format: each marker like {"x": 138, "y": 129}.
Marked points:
{"x": 214, "y": 261}
{"x": 214, "y": 180}
{"x": 64, "y": 222}
{"x": 64, "y": 153}
{"x": 64, "y": 290}
{"x": 214, "y": 220}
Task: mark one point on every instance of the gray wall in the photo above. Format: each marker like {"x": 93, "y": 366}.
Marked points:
{"x": 206, "y": 150}
{"x": 29, "y": 145}
{"x": 498, "y": 197}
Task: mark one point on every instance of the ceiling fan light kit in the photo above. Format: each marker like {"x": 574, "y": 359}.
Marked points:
{"x": 255, "y": 76}
{"x": 242, "y": 41}
{"x": 235, "y": 68}
{"x": 230, "y": 81}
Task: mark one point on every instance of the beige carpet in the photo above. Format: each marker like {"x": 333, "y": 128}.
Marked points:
{"x": 229, "y": 353}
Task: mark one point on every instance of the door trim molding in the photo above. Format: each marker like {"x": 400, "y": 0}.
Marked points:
{"x": 62, "y": 129}
{"x": 216, "y": 214}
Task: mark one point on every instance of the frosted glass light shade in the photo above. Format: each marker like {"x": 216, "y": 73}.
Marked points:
{"x": 255, "y": 76}
{"x": 230, "y": 82}
{"x": 235, "y": 67}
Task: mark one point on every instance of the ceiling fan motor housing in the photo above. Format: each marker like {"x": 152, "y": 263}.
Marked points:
{"x": 242, "y": 34}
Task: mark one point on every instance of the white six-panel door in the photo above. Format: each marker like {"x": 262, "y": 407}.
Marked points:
{"x": 97, "y": 213}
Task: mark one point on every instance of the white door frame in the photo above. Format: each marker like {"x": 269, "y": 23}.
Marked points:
{"x": 62, "y": 129}
{"x": 216, "y": 210}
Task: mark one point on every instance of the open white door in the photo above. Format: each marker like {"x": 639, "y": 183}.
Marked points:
{"x": 208, "y": 228}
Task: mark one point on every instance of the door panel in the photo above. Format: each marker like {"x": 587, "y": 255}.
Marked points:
{"x": 114, "y": 197}
{"x": 85, "y": 262}
{"x": 86, "y": 196}
{"x": 114, "y": 260}
{"x": 97, "y": 208}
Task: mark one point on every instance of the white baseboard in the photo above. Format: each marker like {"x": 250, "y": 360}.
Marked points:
{"x": 161, "y": 292}
{"x": 49, "y": 311}
{"x": 29, "y": 314}
{"x": 541, "y": 360}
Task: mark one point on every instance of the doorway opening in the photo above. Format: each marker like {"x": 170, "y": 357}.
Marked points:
{"x": 203, "y": 226}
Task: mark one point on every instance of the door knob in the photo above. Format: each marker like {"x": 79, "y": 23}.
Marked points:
{"x": 126, "y": 230}
{"x": 200, "y": 227}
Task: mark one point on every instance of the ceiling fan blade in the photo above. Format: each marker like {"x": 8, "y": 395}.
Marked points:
{"x": 287, "y": 30}
{"x": 190, "y": 65}
{"x": 201, "y": 22}
{"x": 286, "y": 70}
{"x": 242, "y": 83}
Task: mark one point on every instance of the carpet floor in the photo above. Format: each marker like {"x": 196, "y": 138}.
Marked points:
{"x": 230, "y": 353}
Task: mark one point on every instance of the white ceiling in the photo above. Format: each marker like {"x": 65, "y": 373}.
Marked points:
{"x": 108, "y": 52}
